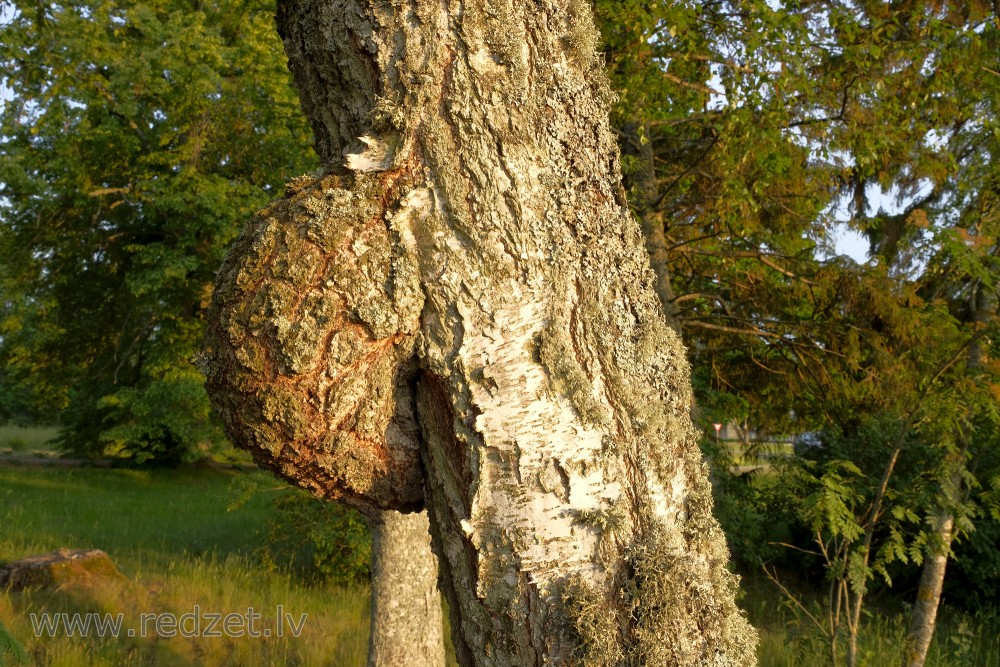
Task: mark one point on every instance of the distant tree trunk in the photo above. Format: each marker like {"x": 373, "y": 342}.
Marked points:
{"x": 852, "y": 633}
{"x": 923, "y": 617}
{"x": 645, "y": 200}
{"x": 951, "y": 493}
{"x": 470, "y": 289}
{"x": 406, "y": 606}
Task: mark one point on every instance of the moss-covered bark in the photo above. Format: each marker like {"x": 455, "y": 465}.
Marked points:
{"x": 502, "y": 303}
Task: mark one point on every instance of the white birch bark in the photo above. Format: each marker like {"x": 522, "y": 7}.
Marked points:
{"x": 477, "y": 250}
{"x": 923, "y": 617}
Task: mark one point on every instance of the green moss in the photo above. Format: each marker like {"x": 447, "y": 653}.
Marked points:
{"x": 595, "y": 630}
{"x": 377, "y": 311}
{"x": 345, "y": 348}
{"x": 564, "y": 374}
{"x": 606, "y": 520}
{"x": 252, "y": 357}
{"x": 257, "y": 242}
{"x": 386, "y": 115}
{"x": 299, "y": 344}
{"x": 583, "y": 40}
{"x": 701, "y": 529}
{"x": 283, "y": 409}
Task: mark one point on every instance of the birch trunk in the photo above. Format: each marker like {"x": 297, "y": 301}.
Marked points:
{"x": 406, "y": 605}
{"x": 951, "y": 493}
{"x": 923, "y": 617}
{"x": 468, "y": 285}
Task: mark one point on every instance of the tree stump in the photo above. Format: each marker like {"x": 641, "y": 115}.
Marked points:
{"x": 58, "y": 569}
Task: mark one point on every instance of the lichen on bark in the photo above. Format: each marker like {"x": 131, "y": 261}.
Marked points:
{"x": 312, "y": 329}
{"x": 469, "y": 319}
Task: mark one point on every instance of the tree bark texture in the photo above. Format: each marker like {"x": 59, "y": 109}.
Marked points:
{"x": 466, "y": 285}
{"x": 406, "y": 604}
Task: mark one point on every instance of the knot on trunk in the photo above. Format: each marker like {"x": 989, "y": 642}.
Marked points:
{"x": 310, "y": 337}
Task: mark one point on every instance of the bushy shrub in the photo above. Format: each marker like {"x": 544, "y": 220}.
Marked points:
{"x": 17, "y": 444}
{"x": 320, "y": 540}
{"x": 756, "y": 509}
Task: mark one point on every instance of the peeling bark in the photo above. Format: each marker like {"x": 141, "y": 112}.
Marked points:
{"x": 500, "y": 320}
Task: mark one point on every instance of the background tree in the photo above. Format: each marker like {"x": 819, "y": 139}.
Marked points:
{"x": 136, "y": 136}
{"x": 755, "y": 133}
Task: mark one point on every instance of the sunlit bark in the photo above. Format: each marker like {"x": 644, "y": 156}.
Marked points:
{"x": 471, "y": 269}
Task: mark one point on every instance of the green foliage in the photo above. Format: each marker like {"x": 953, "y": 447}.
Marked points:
{"x": 756, "y": 509}
{"x": 9, "y": 645}
{"x": 16, "y": 405}
{"x": 329, "y": 541}
{"x": 974, "y": 577}
{"x": 17, "y": 444}
{"x": 832, "y": 506}
{"x": 139, "y": 136}
{"x": 764, "y": 126}
{"x": 325, "y": 541}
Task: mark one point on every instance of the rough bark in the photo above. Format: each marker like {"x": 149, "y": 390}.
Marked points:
{"x": 501, "y": 287}
{"x": 307, "y": 354}
{"x": 342, "y": 109}
{"x": 406, "y": 605}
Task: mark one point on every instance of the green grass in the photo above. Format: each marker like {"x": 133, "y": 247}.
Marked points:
{"x": 140, "y": 517}
{"x": 788, "y": 639}
{"x": 334, "y": 631}
{"x": 960, "y": 641}
{"x": 172, "y": 537}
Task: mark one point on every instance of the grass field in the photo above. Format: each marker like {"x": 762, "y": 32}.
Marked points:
{"x": 179, "y": 548}
{"x": 172, "y": 537}
{"x": 791, "y": 640}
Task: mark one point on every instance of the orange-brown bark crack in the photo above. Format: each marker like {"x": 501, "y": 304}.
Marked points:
{"x": 338, "y": 424}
